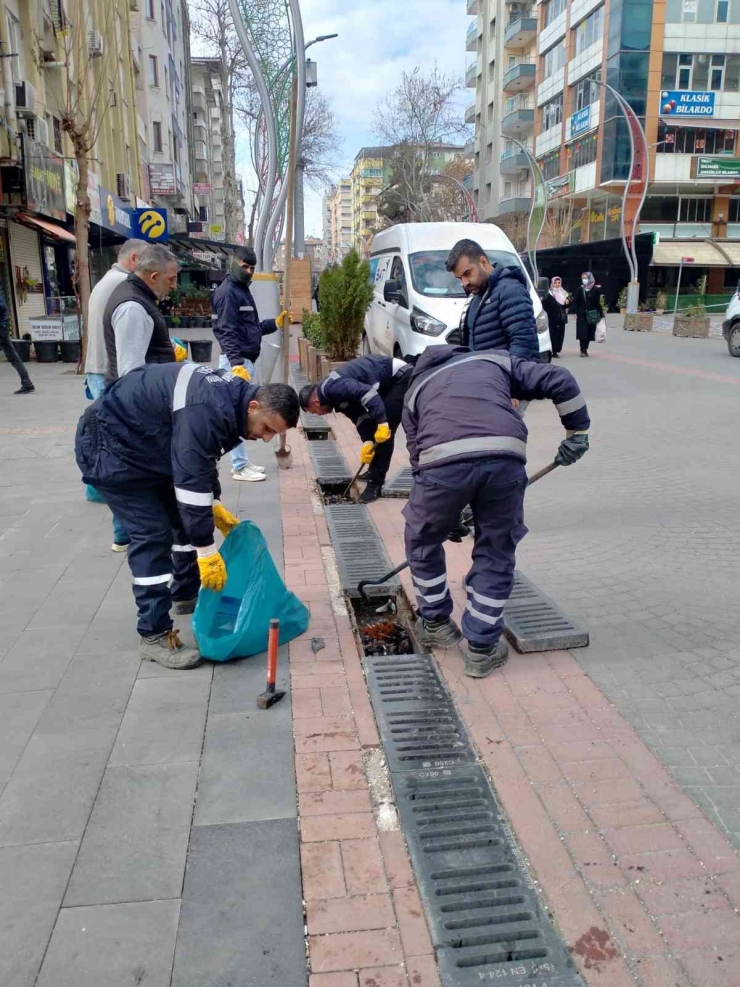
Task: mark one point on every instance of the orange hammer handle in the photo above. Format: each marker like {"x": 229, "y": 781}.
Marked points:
{"x": 272, "y": 652}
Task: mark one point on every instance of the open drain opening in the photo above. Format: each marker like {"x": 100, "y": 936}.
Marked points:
{"x": 336, "y": 493}
{"x": 383, "y": 631}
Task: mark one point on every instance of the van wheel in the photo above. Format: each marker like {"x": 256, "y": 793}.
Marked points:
{"x": 733, "y": 340}
{"x": 365, "y": 345}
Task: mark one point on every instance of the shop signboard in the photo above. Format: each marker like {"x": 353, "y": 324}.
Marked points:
{"x": 70, "y": 327}
{"x": 685, "y": 103}
{"x": 162, "y": 179}
{"x": 560, "y": 185}
{"x": 580, "y": 121}
{"x": 115, "y": 214}
{"x": 44, "y": 177}
{"x": 202, "y": 188}
{"x": 70, "y": 192}
{"x": 151, "y": 225}
{"x": 719, "y": 167}
{"x": 45, "y": 329}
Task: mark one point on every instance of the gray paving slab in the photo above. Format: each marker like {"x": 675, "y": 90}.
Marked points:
{"x": 19, "y": 714}
{"x": 113, "y": 945}
{"x": 229, "y": 870}
{"x": 32, "y": 879}
{"x": 39, "y": 658}
{"x": 135, "y": 844}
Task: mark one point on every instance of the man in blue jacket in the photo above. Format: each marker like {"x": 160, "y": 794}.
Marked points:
{"x": 151, "y": 446}
{"x": 467, "y": 445}
{"x": 239, "y": 331}
{"x": 370, "y": 392}
{"x": 500, "y": 314}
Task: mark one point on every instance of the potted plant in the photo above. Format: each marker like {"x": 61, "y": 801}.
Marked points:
{"x": 346, "y": 294}
{"x": 692, "y": 322}
{"x": 314, "y": 342}
{"x": 661, "y": 301}
{"x": 622, "y": 301}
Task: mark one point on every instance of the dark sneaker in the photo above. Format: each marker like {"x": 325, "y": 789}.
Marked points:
{"x": 371, "y": 492}
{"x": 438, "y": 634}
{"x": 168, "y": 650}
{"x": 481, "y": 661}
{"x": 184, "y": 607}
{"x": 27, "y": 388}
{"x": 459, "y": 532}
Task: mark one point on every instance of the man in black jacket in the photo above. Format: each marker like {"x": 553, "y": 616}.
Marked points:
{"x": 151, "y": 446}
{"x": 467, "y": 445}
{"x": 370, "y": 392}
{"x": 10, "y": 351}
{"x": 239, "y": 331}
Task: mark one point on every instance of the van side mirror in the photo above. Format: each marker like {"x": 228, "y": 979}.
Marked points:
{"x": 392, "y": 291}
{"x": 543, "y": 286}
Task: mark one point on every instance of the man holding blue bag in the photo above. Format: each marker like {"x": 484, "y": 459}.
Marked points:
{"x": 151, "y": 446}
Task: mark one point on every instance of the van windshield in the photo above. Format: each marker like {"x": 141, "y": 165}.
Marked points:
{"x": 430, "y": 278}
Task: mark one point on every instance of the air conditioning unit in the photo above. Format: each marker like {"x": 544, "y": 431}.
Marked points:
{"x": 95, "y": 44}
{"x": 38, "y": 130}
{"x": 25, "y": 99}
{"x": 123, "y": 186}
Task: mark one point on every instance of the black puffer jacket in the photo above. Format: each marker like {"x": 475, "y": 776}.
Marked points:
{"x": 502, "y": 318}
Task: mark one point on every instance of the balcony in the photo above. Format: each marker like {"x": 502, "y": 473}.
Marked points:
{"x": 518, "y": 115}
{"x": 521, "y": 30}
{"x": 472, "y": 7}
{"x": 520, "y": 77}
{"x": 516, "y": 203}
{"x": 200, "y": 133}
{"x": 471, "y": 38}
{"x": 199, "y": 99}
{"x": 513, "y": 161}
{"x": 470, "y": 112}
{"x": 471, "y": 74}
{"x": 469, "y": 149}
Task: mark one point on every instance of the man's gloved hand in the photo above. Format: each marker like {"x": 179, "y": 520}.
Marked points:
{"x": 280, "y": 320}
{"x": 367, "y": 453}
{"x": 181, "y": 352}
{"x": 212, "y": 571}
{"x": 383, "y": 432}
{"x": 240, "y": 371}
{"x": 571, "y": 449}
{"x": 224, "y": 520}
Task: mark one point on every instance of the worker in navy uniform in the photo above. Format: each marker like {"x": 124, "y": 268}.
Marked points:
{"x": 370, "y": 392}
{"x": 151, "y": 445}
{"x": 467, "y": 445}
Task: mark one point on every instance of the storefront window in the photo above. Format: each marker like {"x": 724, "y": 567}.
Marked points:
{"x": 582, "y": 152}
{"x": 695, "y": 140}
{"x": 733, "y": 215}
{"x": 550, "y": 165}
{"x": 552, "y": 112}
{"x": 660, "y": 209}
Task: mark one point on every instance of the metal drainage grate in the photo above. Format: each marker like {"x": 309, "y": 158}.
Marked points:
{"x": 417, "y": 718}
{"x": 315, "y": 426}
{"x": 359, "y": 550}
{"x": 400, "y": 485}
{"x": 534, "y": 622}
{"x": 329, "y": 463}
{"x": 485, "y": 918}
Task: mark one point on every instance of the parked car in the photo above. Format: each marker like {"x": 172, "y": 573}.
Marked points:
{"x": 416, "y": 301}
{"x": 731, "y": 325}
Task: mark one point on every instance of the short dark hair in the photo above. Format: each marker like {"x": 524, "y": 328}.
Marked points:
{"x": 280, "y": 398}
{"x": 305, "y": 394}
{"x": 247, "y": 255}
{"x": 464, "y": 248}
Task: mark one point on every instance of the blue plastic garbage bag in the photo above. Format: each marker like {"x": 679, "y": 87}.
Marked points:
{"x": 235, "y": 622}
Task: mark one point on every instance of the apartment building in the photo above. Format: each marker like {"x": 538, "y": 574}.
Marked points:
{"x": 160, "y": 42}
{"x": 338, "y": 229}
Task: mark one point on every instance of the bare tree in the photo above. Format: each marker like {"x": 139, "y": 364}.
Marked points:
{"x": 321, "y": 146}
{"x": 514, "y": 226}
{"x": 558, "y": 223}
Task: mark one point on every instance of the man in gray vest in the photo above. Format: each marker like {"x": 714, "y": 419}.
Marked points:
{"x": 134, "y": 328}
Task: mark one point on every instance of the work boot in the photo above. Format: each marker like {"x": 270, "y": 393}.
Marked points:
{"x": 120, "y": 546}
{"x": 25, "y": 388}
{"x": 438, "y": 633}
{"x": 168, "y": 650}
{"x": 459, "y": 532}
{"x": 371, "y": 492}
{"x": 480, "y": 660}
{"x": 184, "y": 607}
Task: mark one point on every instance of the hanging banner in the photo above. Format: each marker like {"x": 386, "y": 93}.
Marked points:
{"x": 162, "y": 180}
{"x": 43, "y": 172}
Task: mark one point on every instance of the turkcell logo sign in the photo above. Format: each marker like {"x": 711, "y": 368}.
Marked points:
{"x": 677, "y": 103}
{"x": 580, "y": 121}
{"x": 150, "y": 224}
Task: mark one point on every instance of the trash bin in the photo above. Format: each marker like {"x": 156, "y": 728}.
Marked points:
{"x": 47, "y": 350}
{"x": 70, "y": 350}
{"x": 200, "y": 350}
{"x": 23, "y": 348}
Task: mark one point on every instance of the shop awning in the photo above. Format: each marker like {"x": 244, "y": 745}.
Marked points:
{"x": 732, "y": 249}
{"x": 668, "y": 253}
{"x": 51, "y": 229}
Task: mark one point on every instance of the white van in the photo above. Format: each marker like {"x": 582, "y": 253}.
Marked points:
{"x": 731, "y": 324}
{"x": 416, "y": 301}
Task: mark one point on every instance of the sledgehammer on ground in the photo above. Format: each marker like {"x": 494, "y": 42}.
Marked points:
{"x": 269, "y": 697}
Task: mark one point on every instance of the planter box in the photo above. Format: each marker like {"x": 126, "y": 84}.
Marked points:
{"x": 303, "y": 353}
{"x": 312, "y": 369}
{"x": 638, "y": 322}
{"x": 694, "y": 326}
{"x": 325, "y": 365}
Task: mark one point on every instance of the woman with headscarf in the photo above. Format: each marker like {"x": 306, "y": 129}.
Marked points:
{"x": 555, "y": 305}
{"x": 588, "y": 310}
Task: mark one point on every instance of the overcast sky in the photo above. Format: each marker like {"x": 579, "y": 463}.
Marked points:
{"x": 376, "y": 42}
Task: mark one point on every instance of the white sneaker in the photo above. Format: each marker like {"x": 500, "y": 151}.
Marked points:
{"x": 254, "y": 466}
{"x": 248, "y": 473}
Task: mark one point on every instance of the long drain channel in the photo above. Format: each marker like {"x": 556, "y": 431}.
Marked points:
{"x": 485, "y": 918}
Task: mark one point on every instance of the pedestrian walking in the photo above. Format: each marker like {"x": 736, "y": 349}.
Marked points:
{"x": 588, "y": 311}
{"x": 500, "y": 314}
{"x": 151, "y": 445}
{"x": 11, "y": 352}
{"x": 370, "y": 392}
{"x": 555, "y": 304}
{"x": 239, "y": 331}
{"x": 467, "y": 445}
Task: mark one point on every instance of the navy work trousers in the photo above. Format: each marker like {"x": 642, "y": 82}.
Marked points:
{"x": 494, "y": 488}
{"x": 158, "y": 553}
{"x": 393, "y": 402}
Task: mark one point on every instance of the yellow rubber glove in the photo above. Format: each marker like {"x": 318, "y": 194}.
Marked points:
{"x": 367, "y": 453}
{"x": 180, "y": 353}
{"x": 240, "y": 371}
{"x": 280, "y": 321}
{"x": 212, "y": 571}
{"x": 224, "y": 520}
{"x": 383, "y": 432}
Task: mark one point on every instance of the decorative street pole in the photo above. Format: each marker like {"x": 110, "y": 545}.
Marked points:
{"x": 537, "y": 208}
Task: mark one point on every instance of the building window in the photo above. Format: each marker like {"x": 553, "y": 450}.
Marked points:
{"x": 590, "y": 30}
{"x": 554, "y": 9}
{"x": 153, "y": 71}
{"x": 659, "y": 209}
{"x": 722, "y": 10}
{"x": 586, "y": 90}
{"x": 507, "y": 190}
{"x": 553, "y": 60}
{"x": 695, "y": 140}
{"x": 157, "y": 136}
{"x": 550, "y": 165}
{"x": 733, "y": 216}
{"x": 489, "y": 153}
{"x": 150, "y": 9}
{"x": 552, "y": 112}
{"x": 490, "y": 113}
{"x": 582, "y": 152}
{"x": 203, "y": 214}
{"x": 701, "y": 72}
{"x": 491, "y": 70}
{"x": 57, "y": 127}
{"x": 166, "y": 82}
{"x": 695, "y": 210}
{"x": 14, "y": 44}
